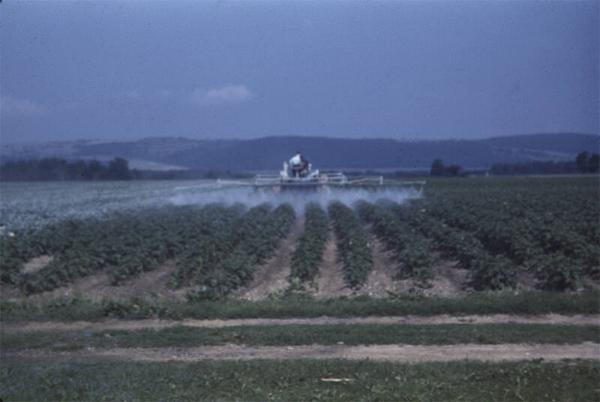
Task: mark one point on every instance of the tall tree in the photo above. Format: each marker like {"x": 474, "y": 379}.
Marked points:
{"x": 582, "y": 161}
{"x": 594, "y": 163}
{"x": 118, "y": 169}
{"x": 437, "y": 168}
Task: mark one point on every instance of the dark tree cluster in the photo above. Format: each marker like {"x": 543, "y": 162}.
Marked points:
{"x": 54, "y": 169}
{"x": 439, "y": 169}
{"x": 587, "y": 163}
{"x": 534, "y": 167}
{"x": 583, "y": 163}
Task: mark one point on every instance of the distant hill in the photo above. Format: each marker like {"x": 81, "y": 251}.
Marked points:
{"x": 268, "y": 153}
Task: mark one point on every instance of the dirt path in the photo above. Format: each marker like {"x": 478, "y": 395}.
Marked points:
{"x": 94, "y": 287}
{"x": 108, "y": 325}
{"x": 380, "y": 282}
{"x": 98, "y": 287}
{"x": 273, "y": 276}
{"x": 154, "y": 283}
{"x": 36, "y": 264}
{"x": 448, "y": 280}
{"x": 395, "y": 353}
{"x": 330, "y": 278}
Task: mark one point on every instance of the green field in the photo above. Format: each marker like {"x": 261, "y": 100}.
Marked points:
{"x": 516, "y": 259}
{"x": 292, "y": 381}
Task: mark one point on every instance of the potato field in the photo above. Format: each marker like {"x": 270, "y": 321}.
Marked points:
{"x": 459, "y": 293}
{"x": 506, "y": 234}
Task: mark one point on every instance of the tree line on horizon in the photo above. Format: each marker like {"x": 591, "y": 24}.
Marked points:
{"x": 583, "y": 163}
{"x": 56, "y": 169}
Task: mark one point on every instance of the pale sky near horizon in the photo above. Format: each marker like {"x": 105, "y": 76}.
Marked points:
{"x": 224, "y": 69}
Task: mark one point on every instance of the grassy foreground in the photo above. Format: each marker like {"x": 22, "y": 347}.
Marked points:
{"x": 305, "y": 335}
{"x": 300, "y": 380}
{"x": 534, "y": 302}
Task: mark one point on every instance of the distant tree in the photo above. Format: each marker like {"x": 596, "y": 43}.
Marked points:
{"x": 587, "y": 163}
{"x": 453, "y": 170}
{"x": 94, "y": 170}
{"x": 77, "y": 170}
{"x": 437, "y": 168}
{"x": 582, "y": 162}
{"x": 118, "y": 169}
{"x": 212, "y": 174}
{"x": 594, "y": 163}
{"x": 53, "y": 169}
{"x": 534, "y": 167}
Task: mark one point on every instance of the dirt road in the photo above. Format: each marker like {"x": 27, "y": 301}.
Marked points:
{"x": 106, "y": 325}
{"x": 395, "y": 353}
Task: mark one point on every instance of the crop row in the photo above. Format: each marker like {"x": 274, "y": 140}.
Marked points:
{"x": 207, "y": 247}
{"x": 485, "y": 271}
{"x": 216, "y": 247}
{"x": 546, "y": 227}
{"x": 352, "y": 243}
{"x": 410, "y": 248}
{"x": 309, "y": 251}
{"x": 255, "y": 239}
{"x": 123, "y": 245}
{"x": 556, "y": 257}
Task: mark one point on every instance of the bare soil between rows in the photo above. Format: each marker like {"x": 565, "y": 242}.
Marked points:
{"x": 125, "y": 325}
{"x": 330, "y": 281}
{"x": 393, "y": 353}
{"x": 270, "y": 279}
{"x": 98, "y": 287}
{"x": 273, "y": 276}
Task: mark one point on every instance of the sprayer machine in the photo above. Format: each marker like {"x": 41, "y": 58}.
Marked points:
{"x": 298, "y": 174}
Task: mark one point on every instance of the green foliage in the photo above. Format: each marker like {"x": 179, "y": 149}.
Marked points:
{"x": 556, "y": 272}
{"x": 124, "y": 245}
{"x": 309, "y": 252}
{"x": 206, "y": 245}
{"x": 300, "y": 380}
{"x": 254, "y": 239}
{"x": 411, "y": 248}
{"x": 352, "y": 242}
{"x": 492, "y": 273}
{"x": 439, "y": 169}
{"x": 587, "y": 163}
{"x": 299, "y": 334}
{"x": 449, "y": 241}
{"x": 491, "y": 226}
{"x": 54, "y": 169}
{"x": 294, "y": 305}
{"x": 517, "y": 220}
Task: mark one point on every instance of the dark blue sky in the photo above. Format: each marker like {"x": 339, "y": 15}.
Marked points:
{"x": 463, "y": 69}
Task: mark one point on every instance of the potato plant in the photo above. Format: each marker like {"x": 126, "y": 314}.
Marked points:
{"x": 487, "y": 272}
{"x": 410, "y": 248}
{"x": 123, "y": 245}
{"x": 206, "y": 247}
{"x": 256, "y": 237}
{"x": 352, "y": 243}
{"x": 536, "y": 224}
{"x": 309, "y": 251}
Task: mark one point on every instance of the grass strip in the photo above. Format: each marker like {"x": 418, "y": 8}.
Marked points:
{"x": 533, "y": 302}
{"x": 306, "y": 335}
{"x": 300, "y": 380}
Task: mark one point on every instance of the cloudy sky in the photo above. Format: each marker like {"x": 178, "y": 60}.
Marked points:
{"x": 222, "y": 69}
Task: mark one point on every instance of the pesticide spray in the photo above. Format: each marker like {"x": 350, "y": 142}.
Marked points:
{"x": 298, "y": 199}
{"x": 26, "y": 206}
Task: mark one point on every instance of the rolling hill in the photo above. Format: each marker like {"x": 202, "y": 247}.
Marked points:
{"x": 267, "y": 153}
